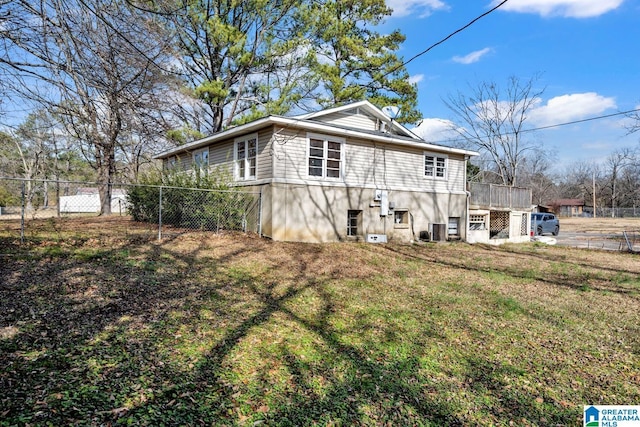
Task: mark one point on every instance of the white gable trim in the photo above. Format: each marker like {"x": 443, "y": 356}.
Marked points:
{"x": 366, "y": 106}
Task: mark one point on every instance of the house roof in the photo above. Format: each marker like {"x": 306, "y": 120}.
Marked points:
{"x": 310, "y": 122}
{"x": 366, "y": 106}
{"x": 568, "y": 202}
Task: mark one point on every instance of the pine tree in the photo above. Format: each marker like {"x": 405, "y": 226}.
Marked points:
{"x": 351, "y": 61}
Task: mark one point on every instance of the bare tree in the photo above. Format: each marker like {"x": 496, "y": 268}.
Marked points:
{"x": 92, "y": 64}
{"x": 535, "y": 173}
{"x": 633, "y": 125}
{"x": 616, "y": 164}
{"x": 493, "y": 122}
{"x": 223, "y": 47}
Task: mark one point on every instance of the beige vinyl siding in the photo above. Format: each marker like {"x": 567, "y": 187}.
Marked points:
{"x": 183, "y": 161}
{"x": 264, "y": 159}
{"x": 364, "y": 164}
{"x": 290, "y": 154}
{"x": 357, "y": 121}
{"x": 394, "y": 166}
{"x": 457, "y": 173}
{"x": 222, "y": 155}
{"x": 368, "y": 164}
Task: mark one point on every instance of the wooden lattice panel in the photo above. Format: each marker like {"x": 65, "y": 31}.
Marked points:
{"x": 499, "y": 224}
{"x": 524, "y": 222}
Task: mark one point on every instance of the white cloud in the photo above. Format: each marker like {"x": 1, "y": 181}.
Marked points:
{"x": 416, "y": 79}
{"x": 423, "y": 8}
{"x": 568, "y": 108}
{"x": 436, "y": 130}
{"x": 472, "y": 57}
{"x": 565, "y": 8}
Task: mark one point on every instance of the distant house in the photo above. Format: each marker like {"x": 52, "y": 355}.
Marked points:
{"x": 345, "y": 173}
{"x": 568, "y": 207}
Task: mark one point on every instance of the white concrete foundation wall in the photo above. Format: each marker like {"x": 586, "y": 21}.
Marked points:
{"x": 315, "y": 213}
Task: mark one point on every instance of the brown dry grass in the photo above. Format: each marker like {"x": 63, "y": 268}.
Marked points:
{"x": 106, "y": 325}
{"x": 600, "y": 225}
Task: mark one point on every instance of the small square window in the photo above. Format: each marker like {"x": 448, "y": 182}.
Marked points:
{"x": 400, "y": 217}
{"x": 477, "y": 222}
{"x": 435, "y": 166}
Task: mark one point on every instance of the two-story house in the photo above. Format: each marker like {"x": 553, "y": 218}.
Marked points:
{"x": 345, "y": 173}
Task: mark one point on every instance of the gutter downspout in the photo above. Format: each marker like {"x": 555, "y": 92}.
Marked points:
{"x": 467, "y": 201}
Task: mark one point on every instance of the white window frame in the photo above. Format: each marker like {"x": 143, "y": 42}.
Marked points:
{"x": 198, "y": 157}
{"x": 439, "y": 168}
{"x": 243, "y": 168}
{"x": 326, "y": 156}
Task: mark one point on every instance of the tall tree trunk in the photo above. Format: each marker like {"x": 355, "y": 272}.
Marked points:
{"x": 106, "y": 173}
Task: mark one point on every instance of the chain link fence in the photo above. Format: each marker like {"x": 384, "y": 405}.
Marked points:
{"x": 631, "y": 241}
{"x": 633, "y": 212}
{"x": 165, "y": 209}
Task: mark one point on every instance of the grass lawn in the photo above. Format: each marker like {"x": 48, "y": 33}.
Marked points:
{"x": 100, "y": 324}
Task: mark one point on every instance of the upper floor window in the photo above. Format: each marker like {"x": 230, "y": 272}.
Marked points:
{"x": 246, "y": 157}
{"x": 325, "y": 156}
{"x": 201, "y": 158}
{"x": 435, "y": 166}
{"x": 172, "y": 162}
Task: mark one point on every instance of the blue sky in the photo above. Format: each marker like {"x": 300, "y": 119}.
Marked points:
{"x": 587, "y": 53}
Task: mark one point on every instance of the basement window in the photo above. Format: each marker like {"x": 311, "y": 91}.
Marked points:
{"x": 354, "y": 222}
{"x": 453, "y": 228}
{"x": 477, "y": 222}
{"x": 401, "y": 218}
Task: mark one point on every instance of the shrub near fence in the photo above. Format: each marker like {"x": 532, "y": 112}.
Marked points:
{"x": 192, "y": 208}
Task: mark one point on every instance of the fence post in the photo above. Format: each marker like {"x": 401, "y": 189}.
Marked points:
{"x": 22, "y": 198}
{"x": 160, "y": 215}
{"x": 260, "y": 212}
{"x": 57, "y": 196}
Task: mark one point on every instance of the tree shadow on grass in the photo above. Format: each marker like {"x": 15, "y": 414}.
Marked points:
{"x": 80, "y": 324}
{"x": 577, "y": 280}
{"x": 495, "y": 380}
{"x": 150, "y": 334}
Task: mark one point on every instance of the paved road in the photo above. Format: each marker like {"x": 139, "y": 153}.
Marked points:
{"x": 614, "y": 241}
